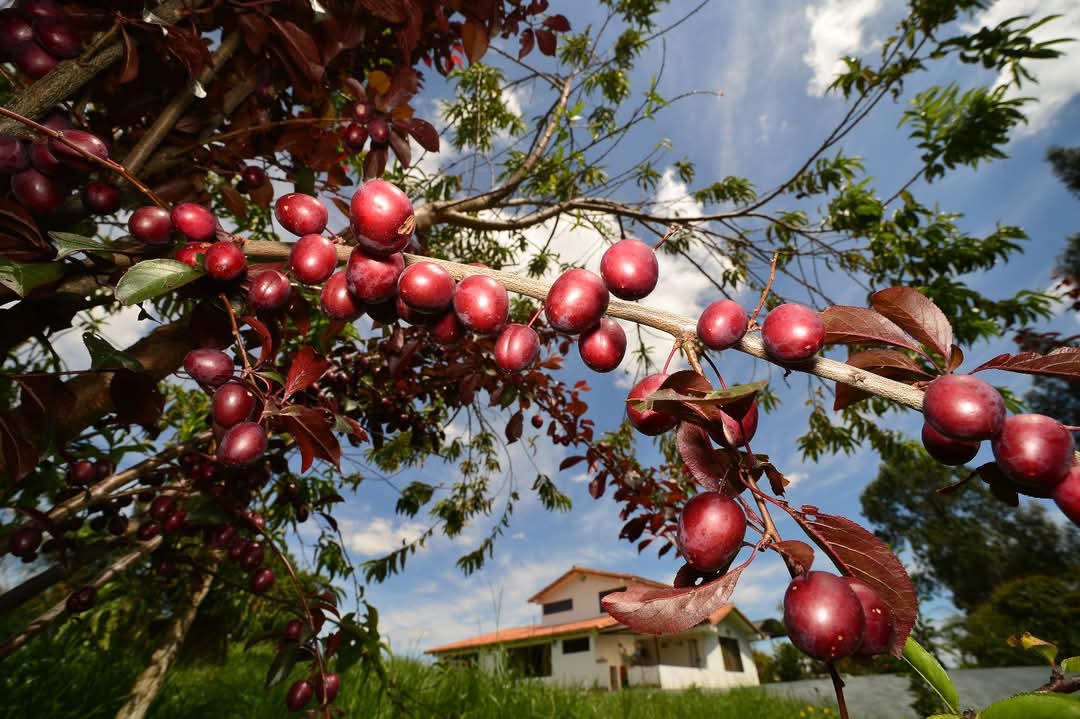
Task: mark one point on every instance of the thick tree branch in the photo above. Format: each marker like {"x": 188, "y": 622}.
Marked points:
{"x": 149, "y": 682}
{"x": 171, "y": 113}
{"x": 675, "y": 325}
{"x": 69, "y": 76}
{"x": 41, "y": 581}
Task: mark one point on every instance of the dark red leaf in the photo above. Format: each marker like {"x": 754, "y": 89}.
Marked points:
{"x": 799, "y": 555}
{"x": 670, "y": 611}
{"x": 558, "y": 23}
{"x": 266, "y": 340}
{"x": 545, "y": 40}
{"x": 233, "y": 200}
{"x": 916, "y": 314}
{"x": 306, "y": 369}
{"x": 136, "y": 398}
{"x": 777, "y": 481}
{"x": 694, "y": 401}
{"x": 390, "y": 10}
{"x": 633, "y": 529}
{"x": 18, "y": 455}
{"x": 857, "y": 552}
{"x": 44, "y": 398}
{"x": 474, "y": 36}
{"x": 301, "y": 48}
{"x": 956, "y": 358}
{"x": 861, "y": 325}
{"x": 400, "y": 145}
{"x": 129, "y": 66}
{"x": 422, "y": 131}
{"x": 527, "y": 42}
{"x": 515, "y": 426}
{"x": 374, "y": 163}
{"x": 708, "y": 466}
{"x": 311, "y": 429}
{"x": 20, "y": 238}
{"x": 255, "y": 30}
{"x": 262, "y": 195}
{"x": 596, "y": 487}
{"x": 1062, "y": 362}
{"x": 571, "y": 461}
{"x": 886, "y": 363}
{"x": 355, "y": 89}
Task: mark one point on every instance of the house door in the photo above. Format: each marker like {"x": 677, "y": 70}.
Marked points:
{"x": 613, "y": 682}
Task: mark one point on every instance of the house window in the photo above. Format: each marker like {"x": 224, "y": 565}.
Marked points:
{"x": 576, "y": 645}
{"x": 607, "y": 592}
{"x": 563, "y": 605}
{"x": 695, "y": 654}
{"x": 732, "y": 656}
{"x": 530, "y": 661}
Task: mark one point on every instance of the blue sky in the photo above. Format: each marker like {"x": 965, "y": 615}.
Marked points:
{"x": 770, "y": 60}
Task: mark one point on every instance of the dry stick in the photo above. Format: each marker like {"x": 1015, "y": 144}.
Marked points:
{"x": 69, "y": 76}
{"x": 669, "y": 322}
{"x": 42, "y": 622}
{"x": 111, "y": 165}
{"x": 171, "y": 113}
{"x": 146, "y": 687}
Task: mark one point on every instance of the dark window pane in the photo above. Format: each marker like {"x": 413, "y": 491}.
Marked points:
{"x": 732, "y": 658}
{"x": 564, "y": 605}
{"x": 573, "y": 646}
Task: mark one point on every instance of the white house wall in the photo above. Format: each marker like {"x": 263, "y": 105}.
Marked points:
{"x": 585, "y": 590}
{"x": 578, "y": 669}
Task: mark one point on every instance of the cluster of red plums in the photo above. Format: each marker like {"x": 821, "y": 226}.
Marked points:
{"x": 36, "y": 35}
{"x": 43, "y": 172}
{"x": 367, "y": 122}
{"x": 1034, "y": 452}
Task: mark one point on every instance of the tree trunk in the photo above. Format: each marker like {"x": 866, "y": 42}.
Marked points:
{"x": 147, "y": 686}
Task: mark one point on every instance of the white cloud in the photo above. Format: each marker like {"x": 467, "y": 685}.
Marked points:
{"x": 836, "y": 30}
{"x": 121, "y": 329}
{"x": 1059, "y": 79}
{"x": 381, "y": 536}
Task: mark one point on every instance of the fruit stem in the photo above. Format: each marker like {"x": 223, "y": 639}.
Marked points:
{"x": 768, "y": 286}
{"x": 671, "y": 355}
{"x": 838, "y": 687}
{"x": 110, "y": 164}
{"x": 719, "y": 377}
{"x": 236, "y": 333}
{"x": 536, "y": 315}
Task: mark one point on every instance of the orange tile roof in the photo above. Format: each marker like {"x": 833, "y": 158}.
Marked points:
{"x": 600, "y": 573}
{"x": 533, "y": 631}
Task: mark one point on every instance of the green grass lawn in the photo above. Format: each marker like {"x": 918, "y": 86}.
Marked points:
{"x": 41, "y": 683}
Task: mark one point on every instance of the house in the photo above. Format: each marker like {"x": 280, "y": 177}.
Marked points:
{"x": 576, "y": 643}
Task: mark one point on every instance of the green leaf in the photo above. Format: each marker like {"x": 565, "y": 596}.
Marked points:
{"x": 104, "y": 356}
{"x": 932, "y": 673}
{"x": 22, "y": 277}
{"x": 1070, "y": 665}
{"x": 68, "y": 243}
{"x": 152, "y": 278}
{"x": 282, "y": 665}
{"x": 1034, "y": 706}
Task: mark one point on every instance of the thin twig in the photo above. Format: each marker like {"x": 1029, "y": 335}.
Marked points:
{"x": 112, "y": 165}
{"x": 768, "y": 286}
